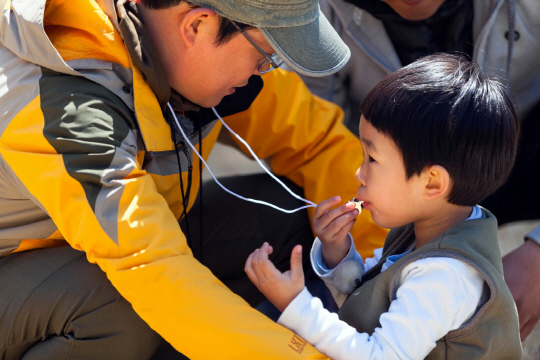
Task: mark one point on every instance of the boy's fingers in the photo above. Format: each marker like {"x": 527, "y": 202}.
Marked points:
{"x": 333, "y": 219}
{"x": 256, "y": 265}
{"x": 252, "y": 277}
{"x": 349, "y": 225}
{"x": 345, "y": 229}
{"x": 248, "y": 262}
{"x": 296, "y": 263}
{"x": 263, "y": 252}
{"x": 266, "y": 266}
{"x": 340, "y": 222}
{"x": 320, "y": 210}
{"x": 248, "y": 268}
{"x": 269, "y": 270}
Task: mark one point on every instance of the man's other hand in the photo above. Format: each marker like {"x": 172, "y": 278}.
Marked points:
{"x": 522, "y": 275}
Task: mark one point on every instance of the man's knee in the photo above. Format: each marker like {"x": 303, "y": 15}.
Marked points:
{"x": 73, "y": 310}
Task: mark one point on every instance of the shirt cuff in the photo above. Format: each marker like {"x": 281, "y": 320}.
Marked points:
{"x": 317, "y": 260}
{"x": 534, "y": 235}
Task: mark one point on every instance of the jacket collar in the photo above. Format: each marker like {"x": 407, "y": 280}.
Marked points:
{"x": 145, "y": 58}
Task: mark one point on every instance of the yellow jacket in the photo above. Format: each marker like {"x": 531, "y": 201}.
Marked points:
{"x": 86, "y": 157}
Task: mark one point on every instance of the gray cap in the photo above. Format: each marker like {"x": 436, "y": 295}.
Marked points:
{"x": 296, "y": 29}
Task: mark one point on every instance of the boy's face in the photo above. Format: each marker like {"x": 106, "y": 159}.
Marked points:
{"x": 392, "y": 199}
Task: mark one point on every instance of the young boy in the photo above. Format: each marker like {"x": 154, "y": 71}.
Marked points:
{"x": 438, "y": 137}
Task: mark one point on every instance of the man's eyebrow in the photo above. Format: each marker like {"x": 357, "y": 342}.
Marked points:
{"x": 368, "y": 143}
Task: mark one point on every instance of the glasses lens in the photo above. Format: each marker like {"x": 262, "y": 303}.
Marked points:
{"x": 266, "y": 66}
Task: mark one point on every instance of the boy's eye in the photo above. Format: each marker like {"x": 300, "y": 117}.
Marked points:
{"x": 370, "y": 159}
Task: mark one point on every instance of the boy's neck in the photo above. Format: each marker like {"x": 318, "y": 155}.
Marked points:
{"x": 427, "y": 229}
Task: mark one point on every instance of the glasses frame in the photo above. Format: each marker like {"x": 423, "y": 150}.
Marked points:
{"x": 268, "y": 57}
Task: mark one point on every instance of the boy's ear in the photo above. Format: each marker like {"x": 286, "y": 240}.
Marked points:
{"x": 198, "y": 24}
{"x": 437, "y": 182}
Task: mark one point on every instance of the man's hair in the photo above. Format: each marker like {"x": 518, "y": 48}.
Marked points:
{"x": 443, "y": 110}
{"x": 226, "y": 29}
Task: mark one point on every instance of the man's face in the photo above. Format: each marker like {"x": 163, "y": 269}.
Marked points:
{"x": 415, "y": 10}
{"x": 217, "y": 70}
{"x": 196, "y": 67}
{"x": 392, "y": 199}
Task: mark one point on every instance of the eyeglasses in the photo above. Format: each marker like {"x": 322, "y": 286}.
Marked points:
{"x": 270, "y": 63}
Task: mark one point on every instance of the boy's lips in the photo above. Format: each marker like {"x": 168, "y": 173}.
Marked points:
{"x": 366, "y": 205}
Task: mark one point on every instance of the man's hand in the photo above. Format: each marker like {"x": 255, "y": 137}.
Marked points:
{"x": 332, "y": 227}
{"x": 279, "y": 288}
{"x": 522, "y": 275}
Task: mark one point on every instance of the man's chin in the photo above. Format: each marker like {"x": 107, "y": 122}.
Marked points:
{"x": 215, "y": 102}
{"x": 209, "y": 103}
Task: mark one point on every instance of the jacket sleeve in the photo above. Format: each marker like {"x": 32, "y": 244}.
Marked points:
{"x": 77, "y": 156}
{"x": 308, "y": 143}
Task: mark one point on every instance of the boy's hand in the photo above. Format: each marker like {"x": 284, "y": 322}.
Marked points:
{"x": 279, "y": 288}
{"x": 332, "y": 227}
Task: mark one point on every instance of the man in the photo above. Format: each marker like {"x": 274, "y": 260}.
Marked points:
{"x": 502, "y": 37}
{"x": 90, "y": 157}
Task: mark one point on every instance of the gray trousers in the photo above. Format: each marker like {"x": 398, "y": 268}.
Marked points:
{"x": 54, "y": 304}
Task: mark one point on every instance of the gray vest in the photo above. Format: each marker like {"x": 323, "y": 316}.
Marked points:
{"x": 492, "y": 333}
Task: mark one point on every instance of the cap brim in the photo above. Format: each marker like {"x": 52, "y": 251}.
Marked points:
{"x": 314, "y": 49}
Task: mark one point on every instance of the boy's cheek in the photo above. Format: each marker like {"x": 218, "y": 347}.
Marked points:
{"x": 377, "y": 219}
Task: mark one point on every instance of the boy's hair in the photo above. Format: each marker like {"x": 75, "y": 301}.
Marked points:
{"x": 226, "y": 29}
{"x": 443, "y": 110}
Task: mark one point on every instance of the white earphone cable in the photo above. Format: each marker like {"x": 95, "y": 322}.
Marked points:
{"x": 256, "y": 158}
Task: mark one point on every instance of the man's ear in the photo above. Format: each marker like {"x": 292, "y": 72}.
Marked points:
{"x": 199, "y": 23}
{"x": 437, "y": 182}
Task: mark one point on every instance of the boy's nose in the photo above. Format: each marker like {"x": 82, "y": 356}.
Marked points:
{"x": 360, "y": 177}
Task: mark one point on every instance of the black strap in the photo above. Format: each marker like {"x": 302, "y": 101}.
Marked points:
{"x": 185, "y": 198}
{"x": 200, "y": 197}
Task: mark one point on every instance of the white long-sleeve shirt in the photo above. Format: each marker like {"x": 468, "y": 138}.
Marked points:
{"x": 434, "y": 297}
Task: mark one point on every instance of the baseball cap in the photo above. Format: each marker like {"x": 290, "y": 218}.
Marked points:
{"x": 296, "y": 29}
